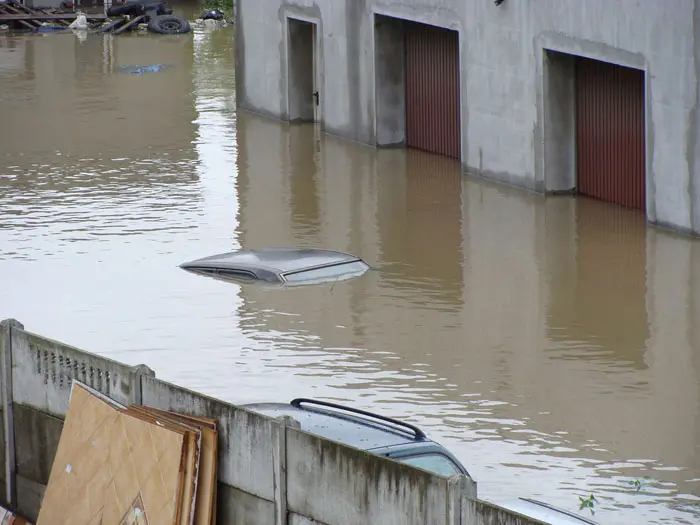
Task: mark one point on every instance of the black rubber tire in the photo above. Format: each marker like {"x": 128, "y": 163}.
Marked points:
{"x": 168, "y": 25}
{"x": 138, "y": 7}
{"x": 154, "y": 7}
{"x": 130, "y": 8}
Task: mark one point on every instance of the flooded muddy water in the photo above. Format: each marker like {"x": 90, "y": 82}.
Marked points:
{"x": 552, "y": 344}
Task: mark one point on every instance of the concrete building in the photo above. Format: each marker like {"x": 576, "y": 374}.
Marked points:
{"x": 597, "y": 97}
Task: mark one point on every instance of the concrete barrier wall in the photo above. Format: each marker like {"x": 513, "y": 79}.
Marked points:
{"x": 269, "y": 473}
{"x": 247, "y": 454}
{"x": 36, "y": 378}
{"x": 338, "y": 484}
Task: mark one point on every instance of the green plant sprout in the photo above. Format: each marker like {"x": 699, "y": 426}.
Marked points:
{"x": 587, "y": 503}
{"x": 638, "y": 484}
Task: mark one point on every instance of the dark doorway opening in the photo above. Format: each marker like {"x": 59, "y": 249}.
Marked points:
{"x": 303, "y": 95}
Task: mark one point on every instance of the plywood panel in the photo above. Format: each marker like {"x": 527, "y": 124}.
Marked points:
{"x": 110, "y": 465}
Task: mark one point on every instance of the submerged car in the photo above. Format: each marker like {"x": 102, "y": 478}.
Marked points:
{"x": 281, "y": 266}
{"x": 397, "y": 440}
{"x": 368, "y": 431}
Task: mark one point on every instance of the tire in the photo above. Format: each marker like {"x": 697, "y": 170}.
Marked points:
{"x": 168, "y": 25}
{"x": 138, "y": 7}
{"x": 129, "y": 8}
{"x": 153, "y": 7}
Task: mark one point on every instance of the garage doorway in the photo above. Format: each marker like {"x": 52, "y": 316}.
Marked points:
{"x": 302, "y": 84}
{"x": 432, "y": 89}
{"x": 610, "y": 133}
{"x": 417, "y": 86}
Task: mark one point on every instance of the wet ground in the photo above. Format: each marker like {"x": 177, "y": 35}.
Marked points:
{"x": 553, "y": 344}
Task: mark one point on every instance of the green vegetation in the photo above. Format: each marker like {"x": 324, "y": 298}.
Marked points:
{"x": 638, "y": 484}
{"x": 590, "y": 502}
{"x": 587, "y": 503}
{"x": 223, "y": 5}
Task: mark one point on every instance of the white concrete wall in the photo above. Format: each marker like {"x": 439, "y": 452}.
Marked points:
{"x": 268, "y": 473}
{"x": 504, "y": 100}
{"x": 36, "y": 378}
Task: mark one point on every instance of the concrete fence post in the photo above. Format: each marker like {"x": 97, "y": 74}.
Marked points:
{"x": 137, "y": 384}
{"x": 279, "y": 466}
{"x": 454, "y": 500}
{"x": 461, "y": 493}
{"x": 6, "y": 327}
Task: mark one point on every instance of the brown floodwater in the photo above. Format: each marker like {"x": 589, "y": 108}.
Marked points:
{"x": 552, "y": 343}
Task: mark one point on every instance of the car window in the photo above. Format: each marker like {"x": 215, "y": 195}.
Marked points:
{"x": 433, "y": 462}
{"x": 327, "y": 273}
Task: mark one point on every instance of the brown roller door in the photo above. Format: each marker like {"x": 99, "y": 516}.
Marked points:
{"x": 611, "y": 156}
{"x": 432, "y": 89}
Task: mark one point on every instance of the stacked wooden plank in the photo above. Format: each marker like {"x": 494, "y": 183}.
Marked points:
{"x": 136, "y": 465}
{"x": 33, "y": 18}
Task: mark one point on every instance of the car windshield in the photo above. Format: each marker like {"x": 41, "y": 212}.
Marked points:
{"x": 432, "y": 462}
{"x": 334, "y": 272}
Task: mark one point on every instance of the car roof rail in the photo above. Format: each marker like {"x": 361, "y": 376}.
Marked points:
{"x": 418, "y": 433}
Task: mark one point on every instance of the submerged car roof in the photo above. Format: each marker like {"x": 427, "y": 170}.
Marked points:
{"x": 342, "y": 427}
{"x": 279, "y": 260}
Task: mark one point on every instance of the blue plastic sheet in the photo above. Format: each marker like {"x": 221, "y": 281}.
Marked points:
{"x": 50, "y": 29}
{"x": 140, "y": 70}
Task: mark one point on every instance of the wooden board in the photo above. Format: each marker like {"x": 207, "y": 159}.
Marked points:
{"x": 191, "y": 456}
{"x": 111, "y": 466}
{"x": 46, "y": 16}
{"x": 205, "y": 508}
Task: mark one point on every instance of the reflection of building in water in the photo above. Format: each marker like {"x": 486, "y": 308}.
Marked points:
{"x": 600, "y": 283}
{"x": 72, "y": 97}
{"x": 12, "y": 55}
{"x": 400, "y": 214}
{"x": 419, "y": 221}
{"x": 291, "y": 194}
{"x": 303, "y": 185}
{"x": 98, "y": 150}
{"x": 568, "y": 311}
{"x": 574, "y": 324}
{"x": 673, "y": 350}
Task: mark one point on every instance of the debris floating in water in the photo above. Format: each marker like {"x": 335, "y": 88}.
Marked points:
{"x": 140, "y": 70}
